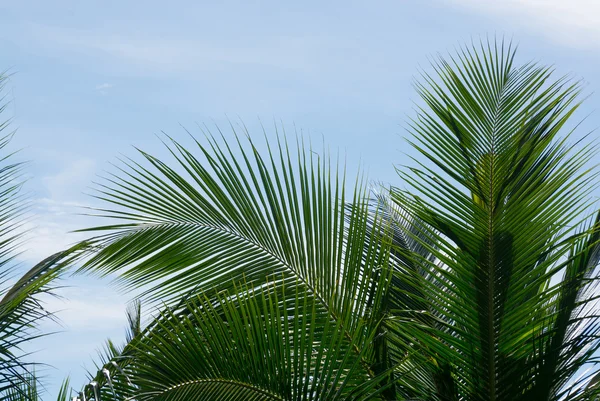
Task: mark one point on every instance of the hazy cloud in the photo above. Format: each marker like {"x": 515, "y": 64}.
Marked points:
{"x": 73, "y": 178}
{"x": 103, "y": 88}
{"x": 56, "y": 216}
{"x": 50, "y": 230}
{"x": 574, "y": 23}
{"x": 92, "y": 308}
{"x": 183, "y": 54}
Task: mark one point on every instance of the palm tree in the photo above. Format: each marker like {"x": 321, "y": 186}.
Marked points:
{"x": 20, "y": 306}
{"x": 280, "y": 282}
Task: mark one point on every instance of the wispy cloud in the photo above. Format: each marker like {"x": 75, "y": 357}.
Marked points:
{"x": 575, "y": 23}
{"x": 91, "y": 308}
{"x": 103, "y": 88}
{"x": 56, "y": 216}
{"x": 74, "y": 177}
{"x": 151, "y": 54}
{"x": 50, "y": 231}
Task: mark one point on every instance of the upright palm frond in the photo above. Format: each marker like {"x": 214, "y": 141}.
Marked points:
{"x": 112, "y": 354}
{"x": 404, "y": 299}
{"x": 134, "y": 318}
{"x": 112, "y": 358}
{"x": 509, "y": 289}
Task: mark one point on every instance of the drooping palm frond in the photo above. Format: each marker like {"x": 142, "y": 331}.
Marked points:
{"x": 247, "y": 345}
{"x": 21, "y": 311}
{"x": 502, "y": 197}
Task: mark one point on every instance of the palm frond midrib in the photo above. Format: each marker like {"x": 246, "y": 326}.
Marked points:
{"x": 224, "y": 382}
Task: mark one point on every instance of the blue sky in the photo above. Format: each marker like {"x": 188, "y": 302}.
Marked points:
{"x": 93, "y": 78}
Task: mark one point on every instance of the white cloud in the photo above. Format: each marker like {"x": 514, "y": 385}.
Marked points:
{"x": 574, "y": 23}
{"x": 96, "y": 307}
{"x": 49, "y": 233}
{"x": 56, "y": 216}
{"x": 74, "y": 177}
{"x": 103, "y": 88}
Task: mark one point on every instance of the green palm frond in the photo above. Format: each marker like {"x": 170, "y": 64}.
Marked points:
{"x": 478, "y": 282}
{"x": 112, "y": 351}
{"x": 20, "y": 313}
{"x": 238, "y": 216}
{"x": 13, "y": 207}
{"x": 229, "y": 217}
{"x": 134, "y": 320}
{"x": 28, "y": 390}
{"x": 25, "y": 390}
{"x": 503, "y": 198}
{"x": 248, "y": 345}
{"x": 405, "y": 299}
{"x": 111, "y": 356}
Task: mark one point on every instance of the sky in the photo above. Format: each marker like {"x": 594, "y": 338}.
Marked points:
{"x": 91, "y": 80}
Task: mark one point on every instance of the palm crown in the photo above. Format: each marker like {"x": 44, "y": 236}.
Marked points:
{"x": 280, "y": 282}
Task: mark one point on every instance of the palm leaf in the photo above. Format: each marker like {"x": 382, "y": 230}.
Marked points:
{"x": 21, "y": 311}
{"x": 249, "y": 345}
{"x": 28, "y": 390}
{"x": 235, "y": 215}
{"x": 502, "y": 197}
